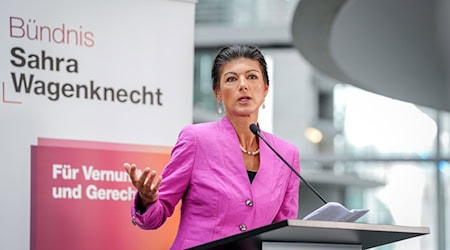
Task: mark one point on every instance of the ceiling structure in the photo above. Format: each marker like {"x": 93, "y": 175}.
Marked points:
{"x": 398, "y": 49}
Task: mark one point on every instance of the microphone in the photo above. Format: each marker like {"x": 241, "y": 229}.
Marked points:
{"x": 255, "y": 130}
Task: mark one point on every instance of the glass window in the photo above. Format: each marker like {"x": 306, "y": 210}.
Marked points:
{"x": 378, "y": 126}
{"x": 445, "y": 135}
{"x": 444, "y": 168}
{"x": 407, "y": 198}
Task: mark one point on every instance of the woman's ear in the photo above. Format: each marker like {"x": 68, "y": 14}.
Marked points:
{"x": 218, "y": 95}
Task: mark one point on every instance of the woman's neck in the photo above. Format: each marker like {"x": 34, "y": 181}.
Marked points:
{"x": 247, "y": 139}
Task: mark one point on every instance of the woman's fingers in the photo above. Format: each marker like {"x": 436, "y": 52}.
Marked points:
{"x": 142, "y": 178}
{"x": 149, "y": 181}
{"x": 158, "y": 183}
{"x": 131, "y": 170}
{"x": 147, "y": 184}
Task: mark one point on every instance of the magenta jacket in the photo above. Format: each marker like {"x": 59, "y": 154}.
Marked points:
{"x": 206, "y": 171}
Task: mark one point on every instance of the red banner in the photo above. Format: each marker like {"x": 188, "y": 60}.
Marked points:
{"x": 81, "y": 196}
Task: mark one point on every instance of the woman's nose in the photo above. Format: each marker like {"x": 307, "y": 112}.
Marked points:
{"x": 243, "y": 83}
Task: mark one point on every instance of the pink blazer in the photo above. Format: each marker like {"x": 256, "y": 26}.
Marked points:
{"x": 207, "y": 173}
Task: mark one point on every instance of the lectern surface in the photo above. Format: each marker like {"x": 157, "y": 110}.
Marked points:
{"x": 366, "y": 235}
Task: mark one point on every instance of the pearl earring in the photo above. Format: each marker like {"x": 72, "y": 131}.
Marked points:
{"x": 219, "y": 107}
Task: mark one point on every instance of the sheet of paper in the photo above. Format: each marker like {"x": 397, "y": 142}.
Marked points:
{"x": 334, "y": 211}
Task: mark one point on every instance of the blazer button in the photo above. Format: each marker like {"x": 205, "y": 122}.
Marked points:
{"x": 243, "y": 227}
{"x": 249, "y": 203}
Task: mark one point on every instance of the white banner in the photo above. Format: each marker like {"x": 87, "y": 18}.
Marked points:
{"x": 104, "y": 71}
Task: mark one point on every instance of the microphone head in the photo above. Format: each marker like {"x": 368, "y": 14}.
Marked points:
{"x": 254, "y": 128}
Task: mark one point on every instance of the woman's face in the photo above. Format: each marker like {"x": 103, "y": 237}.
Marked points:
{"x": 242, "y": 87}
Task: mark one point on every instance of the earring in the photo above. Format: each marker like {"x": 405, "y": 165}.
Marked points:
{"x": 263, "y": 105}
{"x": 219, "y": 107}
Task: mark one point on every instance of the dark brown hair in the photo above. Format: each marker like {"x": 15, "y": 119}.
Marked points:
{"x": 229, "y": 53}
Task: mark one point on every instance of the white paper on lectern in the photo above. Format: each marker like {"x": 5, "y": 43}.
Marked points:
{"x": 334, "y": 211}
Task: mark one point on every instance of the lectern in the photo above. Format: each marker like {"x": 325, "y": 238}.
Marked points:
{"x": 315, "y": 235}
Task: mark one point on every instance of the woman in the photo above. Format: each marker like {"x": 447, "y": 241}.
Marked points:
{"x": 229, "y": 181}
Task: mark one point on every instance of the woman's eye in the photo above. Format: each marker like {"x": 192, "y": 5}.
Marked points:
{"x": 252, "y": 77}
{"x": 230, "y": 79}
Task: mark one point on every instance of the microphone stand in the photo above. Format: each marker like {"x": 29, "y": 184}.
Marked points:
{"x": 255, "y": 130}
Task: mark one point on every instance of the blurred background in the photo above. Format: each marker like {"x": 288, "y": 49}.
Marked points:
{"x": 361, "y": 88}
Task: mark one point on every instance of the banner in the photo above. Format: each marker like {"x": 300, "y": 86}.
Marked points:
{"x": 85, "y": 87}
{"x": 81, "y": 196}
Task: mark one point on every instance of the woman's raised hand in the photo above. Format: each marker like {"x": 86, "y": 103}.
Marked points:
{"x": 146, "y": 184}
